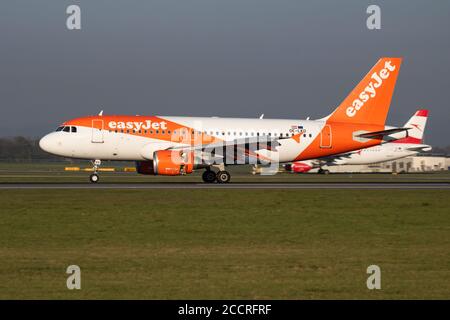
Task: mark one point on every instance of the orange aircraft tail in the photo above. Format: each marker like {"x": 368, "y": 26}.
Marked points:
{"x": 369, "y": 101}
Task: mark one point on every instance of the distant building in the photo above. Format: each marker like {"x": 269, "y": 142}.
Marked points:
{"x": 419, "y": 163}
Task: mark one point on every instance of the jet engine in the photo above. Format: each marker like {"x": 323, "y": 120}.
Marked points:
{"x": 173, "y": 162}
{"x": 298, "y": 167}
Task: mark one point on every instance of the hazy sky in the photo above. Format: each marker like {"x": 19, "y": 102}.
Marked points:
{"x": 239, "y": 58}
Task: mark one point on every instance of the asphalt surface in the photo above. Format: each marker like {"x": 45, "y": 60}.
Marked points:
{"x": 337, "y": 185}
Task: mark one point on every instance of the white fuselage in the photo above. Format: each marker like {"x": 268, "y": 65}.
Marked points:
{"x": 381, "y": 153}
{"x": 107, "y": 144}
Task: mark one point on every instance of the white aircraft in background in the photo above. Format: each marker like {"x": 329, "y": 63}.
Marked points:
{"x": 397, "y": 149}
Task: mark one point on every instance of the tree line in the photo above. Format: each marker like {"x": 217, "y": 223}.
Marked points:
{"x": 23, "y": 149}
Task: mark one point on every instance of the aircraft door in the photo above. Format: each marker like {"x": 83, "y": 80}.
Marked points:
{"x": 97, "y": 131}
{"x": 326, "y": 137}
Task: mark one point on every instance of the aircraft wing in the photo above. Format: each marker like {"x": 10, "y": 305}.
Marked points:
{"x": 333, "y": 160}
{"x": 245, "y": 146}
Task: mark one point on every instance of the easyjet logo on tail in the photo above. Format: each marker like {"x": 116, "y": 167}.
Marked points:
{"x": 371, "y": 90}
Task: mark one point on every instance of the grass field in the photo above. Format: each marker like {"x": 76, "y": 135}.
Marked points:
{"x": 158, "y": 244}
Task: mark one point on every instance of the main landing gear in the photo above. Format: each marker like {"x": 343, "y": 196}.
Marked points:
{"x": 323, "y": 171}
{"x": 222, "y": 176}
{"x": 94, "y": 178}
{"x": 209, "y": 176}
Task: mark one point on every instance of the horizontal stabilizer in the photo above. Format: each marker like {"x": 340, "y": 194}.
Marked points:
{"x": 382, "y": 133}
{"x": 421, "y": 148}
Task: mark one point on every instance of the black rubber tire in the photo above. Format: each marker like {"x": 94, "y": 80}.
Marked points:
{"x": 223, "y": 177}
{"x": 209, "y": 176}
{"x": 326, "y": 171}
{"x": 94, "y": 178}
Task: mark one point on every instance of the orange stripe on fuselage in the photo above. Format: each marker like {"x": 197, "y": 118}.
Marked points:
{"x": 149, "y": 127}
{"x": 342, "y": 140}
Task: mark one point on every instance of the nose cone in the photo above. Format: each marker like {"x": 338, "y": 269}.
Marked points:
{"x": 44, "y": 143}
{"x": 48, "y": 143}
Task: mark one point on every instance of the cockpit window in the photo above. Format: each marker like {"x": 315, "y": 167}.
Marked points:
{"x": 74, "y": 129}
{"x": 59, "y": 128}
{"x": 66, "y": 129}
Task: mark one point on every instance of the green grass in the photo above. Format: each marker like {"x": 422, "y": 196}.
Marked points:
{"x": 212, "y": 244}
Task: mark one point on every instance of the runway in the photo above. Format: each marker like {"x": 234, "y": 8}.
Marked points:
{"x": 285, "y": 186}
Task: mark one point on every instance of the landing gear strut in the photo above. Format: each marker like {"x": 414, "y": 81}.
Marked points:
{"x": 95, "y": 177}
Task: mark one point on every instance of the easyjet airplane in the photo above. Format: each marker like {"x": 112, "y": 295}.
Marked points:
{"x": 178, "y": 145}
{"x": 397, "y": 149}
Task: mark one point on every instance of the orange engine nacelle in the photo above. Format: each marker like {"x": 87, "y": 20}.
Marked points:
{"x": 173, "y": 162}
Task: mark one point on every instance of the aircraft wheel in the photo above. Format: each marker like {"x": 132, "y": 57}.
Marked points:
{"x": 209, "y": 176}
{"x": 94, "y": 178}
{"x": 326, "y": 171}
{"x": 223, "y": 177}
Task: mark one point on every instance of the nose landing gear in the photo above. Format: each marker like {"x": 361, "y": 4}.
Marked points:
{"x": 94, "y": 178}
